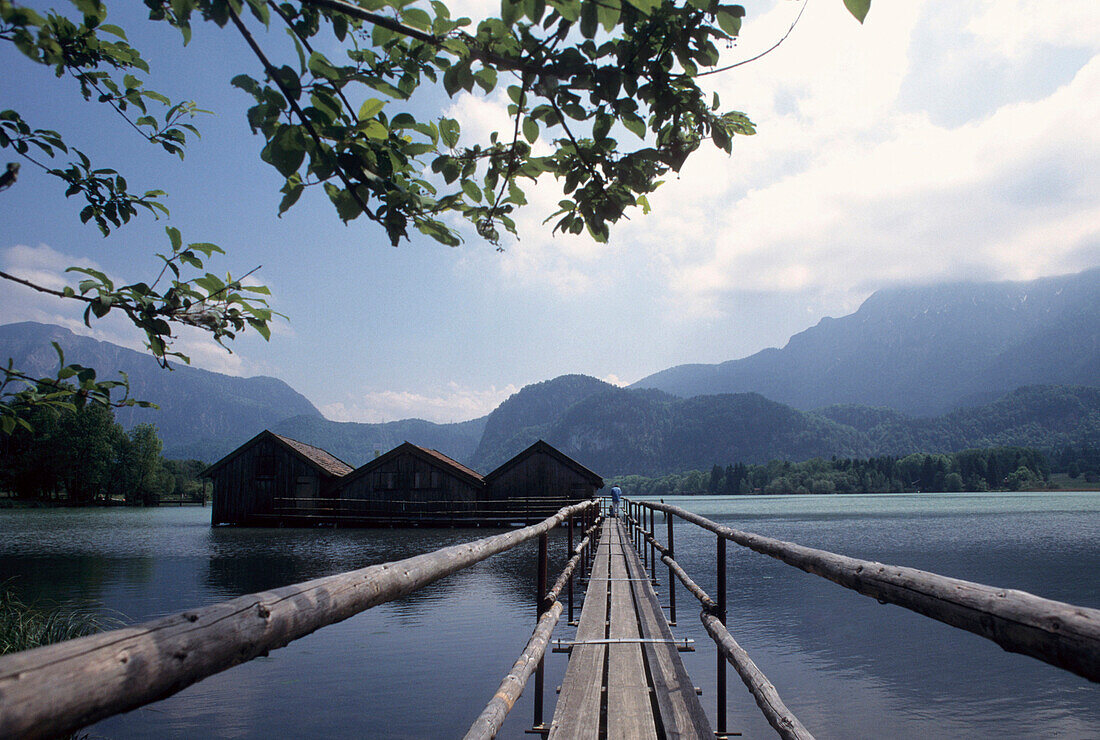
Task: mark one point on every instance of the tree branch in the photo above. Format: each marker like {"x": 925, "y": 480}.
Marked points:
{"x": 270, "y": 69}
{"x": 767, "y": 51}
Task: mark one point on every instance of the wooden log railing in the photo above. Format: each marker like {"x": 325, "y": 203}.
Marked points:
{"x": 1064, "y": 635}
{"x": 492, "y": 717}
{"x": 782, "y": 719}
{"x": 56, "y": 689}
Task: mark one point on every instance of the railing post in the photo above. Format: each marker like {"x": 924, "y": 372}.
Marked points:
{"x": 722, "y": 617}
{"x": 542, "y": 577}
{"x": 652, "y": 548}
{"x": 671, "y": 575}
{"x": 570, "y": 586}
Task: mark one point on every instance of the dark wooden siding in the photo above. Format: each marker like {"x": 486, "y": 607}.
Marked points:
{"x": 408, "y": 485}
{"x": 540, "y": 475}
{"x": 262, "y": 480}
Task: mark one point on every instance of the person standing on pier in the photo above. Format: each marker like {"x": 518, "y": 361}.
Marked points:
{"x": 616, "y": 498}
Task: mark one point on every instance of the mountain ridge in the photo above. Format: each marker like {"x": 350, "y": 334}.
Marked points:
{"x": 922, "y": 350}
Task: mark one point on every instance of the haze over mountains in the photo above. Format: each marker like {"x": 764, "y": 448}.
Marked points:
{"x": 955, "y": 356}
{"x": 922, "y": 350}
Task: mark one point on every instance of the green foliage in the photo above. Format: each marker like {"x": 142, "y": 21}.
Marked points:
{"x": 25, "y": 626}
{"x": 612, "y": 87}
{"x": 999, "y": 468}
{"x": 81, "y": 456}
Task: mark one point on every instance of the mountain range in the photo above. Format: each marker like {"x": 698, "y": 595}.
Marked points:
{"x": 938, "y": 368}
{"x": 922, "y": 350}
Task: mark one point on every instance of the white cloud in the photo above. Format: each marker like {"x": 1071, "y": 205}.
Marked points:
{"x": 1014, "y": 28}
{"x": 456, "y": 403}
{"x": 614, "y": 379}
{"x": 46, "y": 267}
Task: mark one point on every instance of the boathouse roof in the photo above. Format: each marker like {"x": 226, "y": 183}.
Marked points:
{"x": 432, "y": 456}
{"x": 546, "y": 449}
{"x": 323, "y": 460}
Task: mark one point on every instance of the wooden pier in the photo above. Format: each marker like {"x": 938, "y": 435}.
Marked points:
{"x": 625, "y": 678}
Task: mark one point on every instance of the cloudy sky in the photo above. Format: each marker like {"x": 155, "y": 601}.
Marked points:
{"x": 939, "y": 141}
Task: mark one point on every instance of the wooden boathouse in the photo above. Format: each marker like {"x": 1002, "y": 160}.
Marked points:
{"x": 542, "y": 472}
{"x": 271, "y": 475}
{"x": 410, "y": 483}
{"x": 273, "y": 480}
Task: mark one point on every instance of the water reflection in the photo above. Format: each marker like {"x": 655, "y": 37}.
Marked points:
{"x": 425, "y": 665}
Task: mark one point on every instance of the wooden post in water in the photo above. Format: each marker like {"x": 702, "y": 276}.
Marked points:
{"x": 671, "y": 575}
{"x": 541, "y": 607}
{"x": 722, "y": 617}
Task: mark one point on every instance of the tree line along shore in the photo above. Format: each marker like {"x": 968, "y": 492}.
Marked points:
{"x": 977, "y": 470}
{"x": 85, "y": 457}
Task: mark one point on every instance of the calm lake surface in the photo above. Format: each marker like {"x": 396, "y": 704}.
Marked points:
{"x": 425, "y": 666}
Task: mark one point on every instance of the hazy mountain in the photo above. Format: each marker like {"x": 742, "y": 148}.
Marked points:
{"x": 356, "y": 443}
{"x": 198, "y": 408}
{"x": 649, "y": 432}
{"x": 524, "y": 417}
{"x": 923, "y": 350}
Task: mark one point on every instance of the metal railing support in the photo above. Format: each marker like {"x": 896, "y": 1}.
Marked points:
{"x": 721, "y": 559}
{"x": 671, "y": 576}
{"x": 570, "y": 575}
{"x": 541, "y": 608}
{"x": 652, "y": 549}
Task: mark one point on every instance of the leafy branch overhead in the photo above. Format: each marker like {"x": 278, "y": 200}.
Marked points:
{"x": 602, "y": 95}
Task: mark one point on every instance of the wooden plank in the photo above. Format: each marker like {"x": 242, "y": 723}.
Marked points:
{"x": 577, "y": 714}
{"x": 629, "y": 706}
{"x": 682, "y": 714}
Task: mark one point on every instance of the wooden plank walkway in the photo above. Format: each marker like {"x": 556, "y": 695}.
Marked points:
{"x": 625, "y": 678}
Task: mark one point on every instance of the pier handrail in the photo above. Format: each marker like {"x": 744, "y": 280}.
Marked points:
{"x": 56, "y": 689}
{"x": 782, "y": 719}
{"x": 1064, "y": 635}
{"x": 491, "y": 719}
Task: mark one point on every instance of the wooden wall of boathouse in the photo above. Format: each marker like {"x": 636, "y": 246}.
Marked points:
{"x": 410, "y": 483}
{"x": 271, "y": 476}
{"x": 542, "y": 472}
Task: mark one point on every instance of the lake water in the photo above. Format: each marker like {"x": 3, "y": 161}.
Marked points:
{"x": 425, "y": 666}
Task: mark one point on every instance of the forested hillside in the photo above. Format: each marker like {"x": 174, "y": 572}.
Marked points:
{"x": 647, "y": 432}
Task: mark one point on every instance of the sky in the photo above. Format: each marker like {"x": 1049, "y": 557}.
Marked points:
{"x": 939, "y": 141}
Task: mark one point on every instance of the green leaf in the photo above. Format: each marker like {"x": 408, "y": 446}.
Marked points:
{"x": 322, "y": 67}
{"x": 645, "y": 6}
{"x": 471, "y": 189}
{"x": 858, "y": 8}
{"x": 530, "y": 129}
{"x": 174, "y": 237}
{"x": 634, "y": 125}
{"x": 286, "y": 150}
{"x": 729, "y": 21}
{"x": 417, "y": 18}
{"x": 589, "y": 19}
{"x": 601, "y": 126}
{"x": 375, "y": 129}
{"x": 608, "y": 14}
{"x": 370, "y": 108}
{"x": 449, "y": 132}
{"x": 486, "y": 78}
